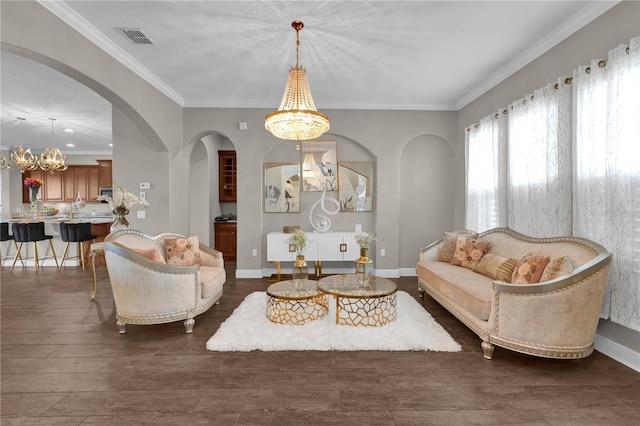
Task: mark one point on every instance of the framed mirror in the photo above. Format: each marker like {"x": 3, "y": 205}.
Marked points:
{"x": 319, "y": 166}
{"x": 356, "y": 186}
{"x": 282, "y": 187}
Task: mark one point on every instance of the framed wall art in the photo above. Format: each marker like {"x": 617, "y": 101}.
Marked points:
{"x": 282, "y": 187}
{"x": 356, "y": 186}
{"x": 319, "y": 166}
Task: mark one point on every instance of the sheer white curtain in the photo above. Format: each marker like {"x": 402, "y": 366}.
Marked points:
{"x": 539, "y": 182}
{"x": 486, "y": 154}
{"x": 607, "y": 184}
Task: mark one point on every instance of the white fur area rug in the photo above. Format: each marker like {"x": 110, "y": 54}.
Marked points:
{"x": 249, "y": 329}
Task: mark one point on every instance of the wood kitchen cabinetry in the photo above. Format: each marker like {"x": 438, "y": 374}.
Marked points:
{"x": 63, "y": 187}
{"x": 227, "y": 176}
{"x": 225, "y": 239}
{"x": 105, "y": 172}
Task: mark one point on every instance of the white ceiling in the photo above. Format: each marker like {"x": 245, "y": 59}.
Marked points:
{"x": 417, "y": 55}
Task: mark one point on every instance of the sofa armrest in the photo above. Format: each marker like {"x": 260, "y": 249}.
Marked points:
{"x": 210, "y": 257}
{"x": 143, "y": 287}
{"x": 557, "y": 318}
{"x": 430, "y": 252}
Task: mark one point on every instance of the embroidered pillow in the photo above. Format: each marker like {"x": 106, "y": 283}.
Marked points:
{"x": 469, "y": 252}
{"x": 496, "y": 267}
{"x": 183, "y": 251}
{"x": 557, "y": 267}
{"x": 529, "y": 269}
{"x": 151, "y": 254}
{"x": 448, "y": 247}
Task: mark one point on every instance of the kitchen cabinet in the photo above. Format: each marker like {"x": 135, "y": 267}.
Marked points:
{"x": 51, "y": 190}
{"x": 225, "y": 234}
{"x": 105, "y": 173}
{"x": 63, "y": 187}
{"x": 227, "y": 173}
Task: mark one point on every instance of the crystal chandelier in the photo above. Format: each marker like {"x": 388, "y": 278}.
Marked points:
{"x": 297, "y": 118}
{"x": 21, "y": 158}
{"x": 52, "y": 160}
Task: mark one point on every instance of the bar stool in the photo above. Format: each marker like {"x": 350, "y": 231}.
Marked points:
{"x": 31, "y": 232}
{"x": 4, "y": 236}
{"x": 75, "y": 233}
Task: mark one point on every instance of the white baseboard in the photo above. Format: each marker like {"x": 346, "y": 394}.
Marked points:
{"x": 408, "y": 272}
{"x": 620, "y": 353}
{"x": 248, "y": 273}
{"x": 388, "y": 273}
{"x": 384, "y": 273}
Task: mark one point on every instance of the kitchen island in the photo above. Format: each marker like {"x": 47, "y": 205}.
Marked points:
{"x": 100, "y": 224}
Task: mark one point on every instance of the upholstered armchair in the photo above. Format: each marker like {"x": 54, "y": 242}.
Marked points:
{"x": 153, "y": 286}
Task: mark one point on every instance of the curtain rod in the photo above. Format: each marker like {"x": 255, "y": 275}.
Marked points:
{"x": 567, "y": 80}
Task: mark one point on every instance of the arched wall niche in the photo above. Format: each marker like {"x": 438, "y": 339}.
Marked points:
{"x": 427, "y": 182}
{"x": 348, "y": 150}
{"x": 202, "y": 151}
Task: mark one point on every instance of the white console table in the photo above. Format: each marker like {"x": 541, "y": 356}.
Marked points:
{"x": 330, "y": 246}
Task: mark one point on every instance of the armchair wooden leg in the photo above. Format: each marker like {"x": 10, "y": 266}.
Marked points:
{"x": 122, "y": 326}
{"x": 188, "y": 325}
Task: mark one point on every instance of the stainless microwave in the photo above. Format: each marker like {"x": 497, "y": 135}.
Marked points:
{"x": 105, "y": 190}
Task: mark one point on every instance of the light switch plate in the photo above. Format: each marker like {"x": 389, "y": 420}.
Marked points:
{"x": 145, "y": 185}
{"x": 143, "y": 195}
{"x": 142, "y": 214}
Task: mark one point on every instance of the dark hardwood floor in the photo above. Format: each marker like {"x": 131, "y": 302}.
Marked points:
{"x": 64, "y": 363}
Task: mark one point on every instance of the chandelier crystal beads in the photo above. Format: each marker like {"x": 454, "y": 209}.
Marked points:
{"x": 297, "y": 118}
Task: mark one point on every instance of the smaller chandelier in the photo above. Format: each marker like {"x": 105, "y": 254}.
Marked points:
{"x": 21, "y": 158}
{"x": 52, "y": 160}
{"x": 297, "y": 118}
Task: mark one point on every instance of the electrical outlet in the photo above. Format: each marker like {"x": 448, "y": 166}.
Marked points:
{"x": 145, "y": 185}
{"x": 254, "y": 252}
{"x": 383, "y": 252}
{"x": 142, "y": 214}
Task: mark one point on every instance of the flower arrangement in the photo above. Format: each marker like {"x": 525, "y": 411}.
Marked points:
{"x": 299, "y": 240}
{"x": 122, "y": 199}
{"x": 364, "y": 239}
{"x": 33, "y": 182}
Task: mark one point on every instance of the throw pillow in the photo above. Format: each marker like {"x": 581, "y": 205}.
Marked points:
{"x": 496, "y": 267}
{"x": 469, "y": 252}
{"x": 557, "y": 267}
{"x": 183, "y": 251}
{"x": 151, "y": 254}
{"x": 448, "y": 247}
{"x": 529, "y": 268}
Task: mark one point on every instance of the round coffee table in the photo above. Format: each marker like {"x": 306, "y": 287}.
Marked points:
{"x": 292, "y": 304}
{"x": 369, "y": 304}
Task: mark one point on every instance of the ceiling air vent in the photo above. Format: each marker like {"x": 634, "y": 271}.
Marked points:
{"x": 135, "y": 35}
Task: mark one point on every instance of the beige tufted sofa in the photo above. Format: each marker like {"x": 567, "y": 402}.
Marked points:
{"x": 553, "y": 319}
{"x": 150, "y": 292}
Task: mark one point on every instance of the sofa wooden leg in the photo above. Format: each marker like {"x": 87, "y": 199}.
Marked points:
{"x": 188, "y": 325}
{"x": 421, "y": 293}
{"x": 121, "y": 326}
{"x": 487, "y": 349}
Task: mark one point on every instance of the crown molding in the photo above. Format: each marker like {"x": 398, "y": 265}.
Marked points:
{"x": 78, "y": 23}
{"x": 586, "y": 15}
